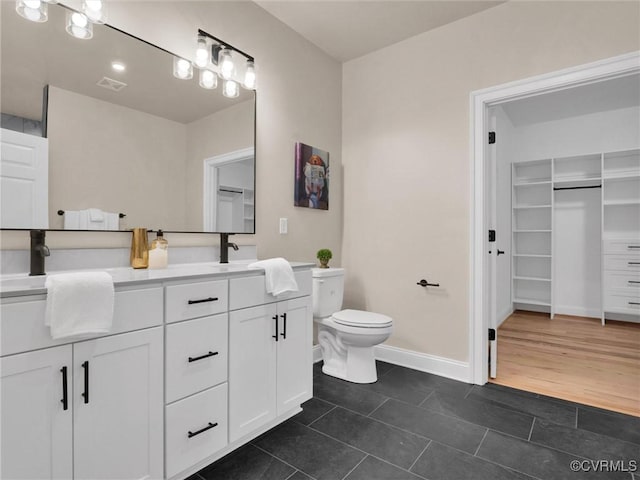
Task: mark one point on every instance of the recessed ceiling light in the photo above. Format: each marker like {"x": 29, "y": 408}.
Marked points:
{"x": 118, "y": 67}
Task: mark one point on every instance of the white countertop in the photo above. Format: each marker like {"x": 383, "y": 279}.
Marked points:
{"x": 22, "y": 284}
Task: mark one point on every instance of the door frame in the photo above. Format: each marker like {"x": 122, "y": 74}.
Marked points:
{"x": 480, "y": 101}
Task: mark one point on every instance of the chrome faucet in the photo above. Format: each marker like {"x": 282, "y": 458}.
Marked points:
{"x": 224, "y": 247}
{"x": 39, "y": 251}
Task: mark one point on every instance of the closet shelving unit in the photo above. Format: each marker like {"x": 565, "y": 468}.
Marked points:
{"x": 533, "y": 186}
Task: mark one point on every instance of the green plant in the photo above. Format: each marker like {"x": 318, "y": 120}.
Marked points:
{"x": 324, "y": 255}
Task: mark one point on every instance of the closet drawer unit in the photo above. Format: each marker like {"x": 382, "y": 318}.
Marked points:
{"x": 629, "y": 246}
{"x": 250, "y": 291}
{"x": 617, "y": 280}
{"x": 622, "y": 301}
{"x": 622, "y": 263}
{"x": 196, "y": 355}
{"x": 22, "y": 325}
{"x": 196, "y": 429}
{"x": 193, "y": 300}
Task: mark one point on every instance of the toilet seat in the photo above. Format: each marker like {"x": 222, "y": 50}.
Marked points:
{"x": 361, "y": 319}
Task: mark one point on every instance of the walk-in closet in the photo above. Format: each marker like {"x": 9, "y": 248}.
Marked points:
{"x": 567, "y": 177}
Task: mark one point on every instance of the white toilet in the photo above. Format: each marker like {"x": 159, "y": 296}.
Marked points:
{"x": 346, "y": 337}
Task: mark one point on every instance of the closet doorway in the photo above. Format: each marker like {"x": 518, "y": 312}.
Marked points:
{"x": 562, "y": 278}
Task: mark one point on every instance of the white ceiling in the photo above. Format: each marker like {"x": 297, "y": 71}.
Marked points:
{"x": 349, "y": 29}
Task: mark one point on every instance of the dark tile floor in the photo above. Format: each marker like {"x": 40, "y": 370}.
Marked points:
{"x": 414, "y": 425}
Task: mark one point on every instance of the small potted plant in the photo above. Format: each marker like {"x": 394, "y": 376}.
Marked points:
{"x": 324, "y": 255}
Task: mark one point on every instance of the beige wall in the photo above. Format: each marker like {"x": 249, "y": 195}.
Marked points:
{"x": 406, "y": 152}
{"x": 142, "y": 174}
{"x": 299, "y": 99}
{"x": 208, "y": 137}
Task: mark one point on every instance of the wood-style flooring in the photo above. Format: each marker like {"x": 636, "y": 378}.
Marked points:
{"x": 572, "y": 358}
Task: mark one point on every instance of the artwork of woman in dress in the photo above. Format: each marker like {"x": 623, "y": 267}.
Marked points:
{"x": 312, "y": 177}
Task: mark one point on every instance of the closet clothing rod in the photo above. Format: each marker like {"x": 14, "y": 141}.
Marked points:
{"x": 576, "y": 188}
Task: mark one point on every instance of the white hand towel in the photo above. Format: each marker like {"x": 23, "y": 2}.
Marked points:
{"x": 79, "y": 304}
{"x": 278, "y": 275}
{"x": 72, "y": 220}
{"x": 96, "y": 215}
{"x": 112, "y": 221}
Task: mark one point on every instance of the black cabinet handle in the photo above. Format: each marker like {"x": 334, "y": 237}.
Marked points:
{"x": 65, "y": 393}
{"x": 634, "y": 303}
{"x": 206, "y": 355}
{"x": 500, "y": 252}
{"x": 85, "y": 394}
{"x": 198, "y": 432}
{"x": 284, "y": 326}
{"x": 203, "y": 300}
{"x": 424, "y": 283}
{"x": 275, "y": 317}
{"x": 633, "y": 246}
{"x": 633, "y": 263}
{"x": 633, "y": 281}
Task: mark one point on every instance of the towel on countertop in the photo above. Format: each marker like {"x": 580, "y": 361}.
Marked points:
{"x": 278, "y": 275}
{"x": 79, "y": 304}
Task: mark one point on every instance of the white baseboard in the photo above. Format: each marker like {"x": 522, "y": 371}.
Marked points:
{"x": 317, "y": 353}
{"x": 444, "y": 367}
{"x": 502, "y": 316}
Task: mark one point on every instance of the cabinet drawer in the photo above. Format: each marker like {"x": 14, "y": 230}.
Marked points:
{"x": 196, "y": 355}
{"x": 631, "y": 280}
{"x": 622, "y": 301}
{"x": 194, "y": 300}
{"x": 187, "y": 441}
{"x": 250, "y": 291}
{"x": 622, "y": 246}
{"x": 622, "y": 263}
{"x": 22, "y": 325}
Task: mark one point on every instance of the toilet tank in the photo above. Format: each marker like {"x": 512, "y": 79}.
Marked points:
{"x": 328, "y": 288}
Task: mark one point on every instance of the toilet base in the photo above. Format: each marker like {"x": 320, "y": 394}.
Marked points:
{"x": 360, "y": 366}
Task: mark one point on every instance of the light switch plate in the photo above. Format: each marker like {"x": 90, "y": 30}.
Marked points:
{"x": 283, "y": 226}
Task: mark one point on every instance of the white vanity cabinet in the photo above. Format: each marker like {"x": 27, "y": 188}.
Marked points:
{"x": 88, "y": 410}
{"x": 270, "y": 354}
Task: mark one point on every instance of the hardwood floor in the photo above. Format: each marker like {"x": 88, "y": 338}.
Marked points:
{"x": 572, "y": 358}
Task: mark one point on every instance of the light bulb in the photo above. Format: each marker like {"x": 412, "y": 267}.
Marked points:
{"x": 79, "y": 26}
{"x": 225, "y": 62}
{"x": 95, "y": 10}
{"x": 118, "y": 67}
{"x": 230, "y": 89}
{"x": 250, "y": 76}
{"x": 33, "y": 10}
{"x": 202, "y": 53}
{"x": 182, "y": 68}
{"x": 208, "y": 79}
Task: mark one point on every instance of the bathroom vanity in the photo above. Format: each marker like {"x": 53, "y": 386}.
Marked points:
{"x": 200, "y": 360}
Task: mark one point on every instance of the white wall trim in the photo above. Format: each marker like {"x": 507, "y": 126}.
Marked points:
{"x": 506, "y": 313}
{"x": 479, "y": 101}
{"x": 317, "y": 353}
{"x": 577, "y": 311}
{"x": 444, "y": 367}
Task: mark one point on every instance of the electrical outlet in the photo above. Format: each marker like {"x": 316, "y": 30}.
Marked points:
{"x": 283, "y": 226}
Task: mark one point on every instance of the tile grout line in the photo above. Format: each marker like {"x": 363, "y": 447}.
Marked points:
{"x": 286, "y": 463}
{"x": 577, "y": 413}
{"x": 356, "y": 466}
{"x": 531, "y": 431}
{"x": 377, "y": 408}
{"x": 480, "y": 444}
{"x": 469, "y": 392}
{"x": 322, "y": 416}
{"x": 427, "y": 398}
{"x": 421, "y": 453}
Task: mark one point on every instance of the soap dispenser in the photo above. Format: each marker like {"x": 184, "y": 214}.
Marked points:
{"x": 159, "y": 252}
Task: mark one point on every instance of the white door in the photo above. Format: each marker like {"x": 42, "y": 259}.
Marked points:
{"x": 24, "y": 181}
{"x": 36, "y": 422}
{"x": 252, "y": 369}
{"x": 295, "y": 376}
{"x": 119, "y": 407}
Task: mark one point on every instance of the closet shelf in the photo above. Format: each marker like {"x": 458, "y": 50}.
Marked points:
{"x": 531, "y": 302}
{"x": 524, "y": 207}
{"x": 613, "y": 203}
{"x": 531, "y": 255}
{"x": 532, "y": 231}
{"x": 621, "y": 175}
{"x": 528, "y": 183}
{"x": 534, "y": 279}
{"x": 578, "y": 181}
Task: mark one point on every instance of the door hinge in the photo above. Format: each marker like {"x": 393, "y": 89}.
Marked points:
{"x": 492, "y": 138}
{"x": 492, "y": 235}
{"x": 492, "y": 334}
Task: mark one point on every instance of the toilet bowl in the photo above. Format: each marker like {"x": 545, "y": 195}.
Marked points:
{"x": 346, "y": 337}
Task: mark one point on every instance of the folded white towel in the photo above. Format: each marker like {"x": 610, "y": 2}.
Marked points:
{"x": 96, "y": 215}
{"x": 79, "y": 304}
{"x": 76, "y": 220}
{"x": 112, "y": 221}
{"x": 278, "y": 275}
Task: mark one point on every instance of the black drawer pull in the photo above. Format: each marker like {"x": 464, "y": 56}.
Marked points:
{"x": 633, "y": 263}
{"x": 275, "y": 317}
{"x": 206, "y": 355}
{"x": 85, "y": 394}
{"x": 65, "y": 393}
{"x": 633, "y": 246}
{"x": 203, "y": 300}
{"x": 634, "y": 281}
{"x": 634, "y": 303}
{"x": 208, "y": 427}
{"x": 284, "y": 326}
{"x": 424, "y": 283}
